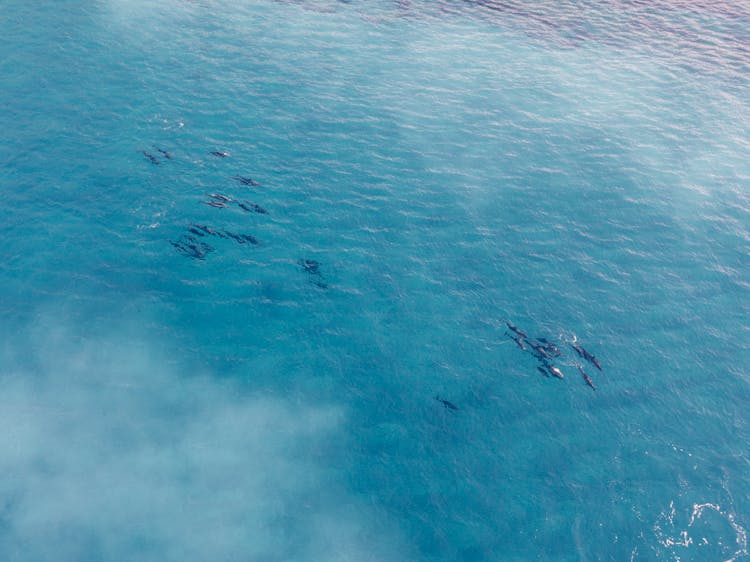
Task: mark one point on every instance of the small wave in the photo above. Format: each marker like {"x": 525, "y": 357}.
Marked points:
{"x": 676, "y": 539}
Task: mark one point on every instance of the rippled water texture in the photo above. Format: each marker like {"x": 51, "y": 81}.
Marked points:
{"x": 263, "y": 262}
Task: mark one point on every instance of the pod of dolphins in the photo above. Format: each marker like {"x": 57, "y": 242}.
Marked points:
{"x": 544, "y": 351}
{"x": 153, "y": 159}
{"x": 190, "y": 243}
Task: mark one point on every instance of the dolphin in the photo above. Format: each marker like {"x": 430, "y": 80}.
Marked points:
{"x": 235, "y": 237}
{"x": 310, "y": 266}
{"x": 448, "y": 405}
{"x": 197, "y": 251}
{"x": 245, "y": 180}
{"x": 216, "y": 204}
{"x": 219, "y": 154}
{"x": 554, "y": 371}
{"x": 150, "y": 156}
{"x": 595, "y": 361}
{"x": 518, "y": 340}
{"x": 517, "y": 330}
{"x": 539, "y": 350}
{"x": 167, "y": 155}
{"x": 549, "y": 346}
{"x": 219, "y": 197}
{"x": 189, "y": 246}
{"x": 586, "y": 355}
{"x": 208, "y": 230}
{"x": 252, "y": 207}
{"x": 586, "y": 377}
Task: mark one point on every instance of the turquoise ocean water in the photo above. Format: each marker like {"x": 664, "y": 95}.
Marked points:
{"x": 171, "y": 390}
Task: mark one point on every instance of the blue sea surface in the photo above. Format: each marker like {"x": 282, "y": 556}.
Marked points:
{"x": 319, "y": 365}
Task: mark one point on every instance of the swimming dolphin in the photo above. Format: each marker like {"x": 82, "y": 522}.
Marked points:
{"x": 517, "y": 330}
{"x": 586, "y": 355}
{"x": 241, "y": 238}
{"x": 189, "y": 246}
{"x": 197, "y": 251}
{"x": 252, "y": 207}
{"x": 167, "y": 155}
{"x": 549, "y": 346}
{"x": 518, "y": 340}
{"x": 448, "y": 405}
{"x": 235, "y": 237}
{"x": 539, "y": 351}
{"x": 150, "y": 156}
{"x": 219, "y": 197}
{"x": 595, "y": 361}
{"x": 250, "y": 238}
{"x": 245, "y": 180}
{"x": 586, "y": 377}
{"x": 219, "y": 154}
{"x": 554, "y": 371}
{"x": 208, "y": 230}
{"x": 216, "y": 204}
{"x": 310, "y": 266}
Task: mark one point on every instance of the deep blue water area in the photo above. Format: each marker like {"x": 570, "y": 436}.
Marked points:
{"x": 263, "y": 262}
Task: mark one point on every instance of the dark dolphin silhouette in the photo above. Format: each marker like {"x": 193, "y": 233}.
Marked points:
{"x": 189, "y": 246}
{"x": 549, "y": 346}
{"x": 245, "y": 180}
{"x": 235, "y": 237}
{"x": 448, "y": 405}
{"x": 150, "y": 156}
{"x": 310, "y": 266}
{"x": 252, "y": 207}
{"x": 586, "y": 355}
{"x": 595, "y": 361}
{"x": 208, "y": 230}
{"x": 240, "y": 238}
{"x": 554, "y": 371}
{"x": 518, "y": 340}
{"x": 167, "y": 155}
{"x": 250, "y": 238}
{"x": 517, "y": 330}
{"x": 586, "y": 377}
{"x": 219, "y": 197}
{"x": 216, "y": 204}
